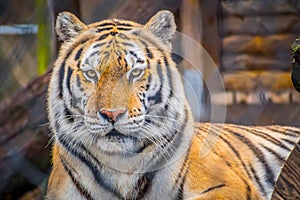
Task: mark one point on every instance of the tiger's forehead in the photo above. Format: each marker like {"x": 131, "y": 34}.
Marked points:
{"x": 121, "y": 25}
{"x": 114, "y": 50}
{"x": 112, "y": 42}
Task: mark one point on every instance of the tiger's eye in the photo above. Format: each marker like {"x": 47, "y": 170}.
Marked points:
{"x": 136, "y": 72}
{"x": 91, "y": 73}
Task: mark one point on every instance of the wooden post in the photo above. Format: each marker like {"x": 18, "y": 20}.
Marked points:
{"x": 288, "y": 183}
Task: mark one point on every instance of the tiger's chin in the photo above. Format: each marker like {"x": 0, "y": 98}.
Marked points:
{"x": 116, "y": 143}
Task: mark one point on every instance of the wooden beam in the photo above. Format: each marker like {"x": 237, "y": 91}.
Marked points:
{"x": 211, "y": 40}
{"x": 245, "y": 61}
{"x": 260, "y": 25}
{"x": 254, "y": 8}
{"x": 191, "y": 26}
{"x": 267, "y": 45}
{"x": 257, "y": 80}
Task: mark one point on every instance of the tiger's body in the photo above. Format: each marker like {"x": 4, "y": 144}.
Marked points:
{"x": 123, "y": 128}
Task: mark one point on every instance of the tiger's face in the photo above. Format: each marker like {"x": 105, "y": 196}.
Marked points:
{"x": 112, "y": 88}
{"x": 117, "y": 82}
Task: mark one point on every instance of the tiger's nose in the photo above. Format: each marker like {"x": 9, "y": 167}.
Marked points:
{"x": 112, "y": 115}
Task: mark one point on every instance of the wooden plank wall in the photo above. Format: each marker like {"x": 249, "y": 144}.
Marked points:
{"x": 255, "y": 50}
{"x": 256, "y": 35}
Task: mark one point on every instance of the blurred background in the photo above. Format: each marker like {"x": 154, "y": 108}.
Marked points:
{"x": 248, "y": 42}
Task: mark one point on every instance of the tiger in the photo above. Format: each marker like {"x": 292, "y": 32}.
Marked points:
{"x": 123, "y": 128}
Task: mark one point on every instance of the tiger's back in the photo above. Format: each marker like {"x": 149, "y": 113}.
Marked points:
{"x": 250, "y": 156}
{"x": 123, "y": 128}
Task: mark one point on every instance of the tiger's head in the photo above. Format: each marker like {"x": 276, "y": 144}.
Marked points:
{"x": 114, "y": 86}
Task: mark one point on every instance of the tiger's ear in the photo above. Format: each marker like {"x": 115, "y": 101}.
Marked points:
{"x": 162, "y": 25}
{"x": 68, "y": 26}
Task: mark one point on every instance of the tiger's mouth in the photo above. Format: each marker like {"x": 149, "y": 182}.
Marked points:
{"x": 115, "y": 133}
{"x": 115, "y": 142}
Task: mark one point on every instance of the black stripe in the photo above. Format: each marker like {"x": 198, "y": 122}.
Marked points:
{"x": 146, "y": 144}
{"x": 119, "y": 59}
{"x": 182, "y": 171}
{"x": 165, "y": 60}
{"x": 61, "y": 78}
{"x": 257, "y": 152}
{"x": 180, "y": 192}
{"x": 274, "y": 153}
{"x": 123, "y": 36}
{"x": 148, "y": 64}
{"x": 290, "y": 132}
{"x": 94, "y": 53}
{"x": 109, "y": 43}
{"x": 181, "y": 177}
{"x": 157, "y": 98}
{"x": 124, "y": 24}
{"x": 106, "y": 24}
{"x": 235, "y": 151}
{"x": 264, "y": 136}
{"x": 125, "y": 63}
{"x": 79, "y": 151}
{"x": 99, "y": 44}
{"x": 127, "y": 44}
{"x": 124, "y": 29}
{"x": 136, "y": 33}
{"x": 116, "y": 23}
{"x": 62, "y": 67}
{"x": 70, "y": 50}
{"x": 149, "y": 80}
{"x": 119, "y": 54}
{"x": 78, "y": 64}
{"x": 248, "y": 188}
{"x": 77, "y": 56}
{"x": 68, "y": 114}
{"x": 140, "y": 61}
{"x": 102, "y": 37}
{"x": 213, "y": 188}
{"x": 81, "y": 189}
{"x": 143, "y": 185}
{"x": 169, "y": 75}
{"x": 186, "y": 115}
{"x": 133, "y": 54}
{"x": 288, "y": 141}
{"x": 257, "y": 180}
{"x": 68, "y": 82}
{"x": 248, "y": 193}
{"x": 105, "y": 58}
{"x": 99, "y": 30}
{"x": 148, "y": 52}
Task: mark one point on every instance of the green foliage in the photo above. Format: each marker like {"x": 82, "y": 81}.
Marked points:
{"x": 44, "y": 53}
{"x": 295, "y": 46}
